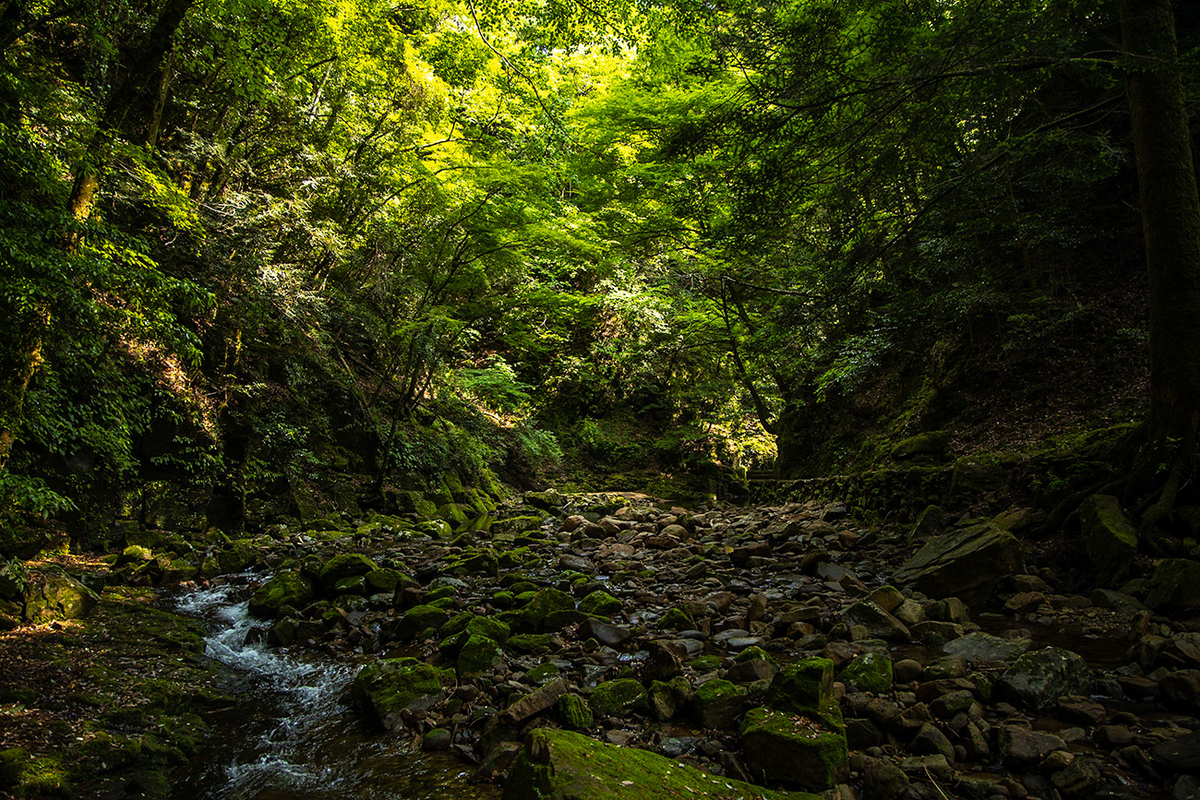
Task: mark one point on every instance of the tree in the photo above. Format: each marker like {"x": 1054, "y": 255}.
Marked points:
{"x": 1171, "y": 223}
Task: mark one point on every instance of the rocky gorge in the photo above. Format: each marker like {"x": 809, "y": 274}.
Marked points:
{"x": 585, "y": 646}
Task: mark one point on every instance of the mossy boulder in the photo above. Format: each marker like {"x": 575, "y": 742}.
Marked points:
{"x": 931, "y": 446}
{"x": 345, "y": 565}
{"x": 1109, "y": 538}
{"x": 237, "y": 556}
{"x": 383, "y": 690}
{"x": 284, "y": 589}
{"x": 869, "y": 672}
{"x": 531, "y": 643}
{"x": 794, "y": 749}
{"x": 617, "y": 697}
{"x": 1175, "y": 584}
{"x": 719, "y": 703}
{"x": 549, "y": 500}
{"x": 54, "y": 595}
{"x": 469, "y": 623}
{"x": 668, "y": 699}
{"x": 805, "y": 688}
{"x": 575, "y": 713}
{"x": 387, "y": 580}
{"x": 478, "y": 655}
{"x": 516, "y": 525}
{"x": 419, "y": 619}
{"x": 134, "y": 554}
{"x": 561, "y": 765}
{"x": 476, "y": 561}
{"x": 600, "y": 603}
{"x": 544, "y": 608}
{"x": 676, "y": 620}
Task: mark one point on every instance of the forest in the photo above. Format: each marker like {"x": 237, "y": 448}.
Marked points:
{"x": 797, "y": 392}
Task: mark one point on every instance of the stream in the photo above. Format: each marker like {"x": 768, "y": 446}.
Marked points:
{"x": 291, "y": 735}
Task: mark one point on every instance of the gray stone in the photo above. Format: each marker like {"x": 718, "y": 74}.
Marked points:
{"x": 962, "y": 560}
{"x": 1109, "y": 538}
{"x": 1175, "y": 583}
{"x": 1036, "y": 680}
{"x": 1021, "y": 747}
{"x": 879, "y": 623}
{"x": 983, "y": 648}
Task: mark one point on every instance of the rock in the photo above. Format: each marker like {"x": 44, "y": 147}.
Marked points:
{"x": 478, "y": 654}
{"x": 1180, "y": 755}
{"x": 1081, "y": 710}
{"x": 602, "y": 632}
{"x": 1116, "y": 601}
{"x": 600, "y": 603}
{"x": 967, "y": 559}
{"x": 54, "y": 595}
{"x": 617, "y": 697}
{"x": 1181, "y": 689}
{"x": 437, "y": 739}
{"x": 1109, "y": 538}
{"x": 345, "y": 565}
{"x": 676, "y": 620}
{"x": 883, "y": 780}
{"x": 930, "y": 522}
{"x": 545, "y": 608}
{"x": 879, "y": 623}
{"x": 931, "y": 446}
{"x": 1021, "y": 747}
{"x": 1079, "y": 779}
{"x": 950, "y": 704}
{"x": 419, "y": 619}
{"x": 537, "y": 701}
{"x": 982, "y": 648}
{"x": 288, "y": 588}
{"x": 668, "y": 700}
{"x": 798, "y": 750}
{"x": 946, "y": 667}
{"x": 549, "y": 500}
{"x": 869, "y": 672}
{"x": 560, "y": 765}
{"x": 385, "y": 689}
{"x": 575, "y": 713}
{"x": 930, "y": 740}
{"x": 907, "y": 670}
{"x": 806, "y": 688}
{"x": 719, "y": 703}
{"x": 1175, "y": 584}
{"x": 1036, "y": 680}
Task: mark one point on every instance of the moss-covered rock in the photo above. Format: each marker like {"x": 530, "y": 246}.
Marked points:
{"x": 383, "y": 690}
{"x": 237, "y": 556}
{"x": 345, "y": 565}
{"x": 387, "y": 580}
{"x": 667, "y": 700}
{"x": 1109, "y": 538}
{"x": 617, "y": 697}
{"x": 560, "y": 765}
{"x": 284, "y": 589}
{"x": 541, "y": 608}
{"x": 962, "y": 560}
{"x": 531, "y": 643}
{"x": 719, "y": 703}
{"x": 419, "y": 619}
{"x": 600, "y": 603}
{"x": 931, "y": 445}
{"x": 676, "y": 620}
{"x": 575, "y": 713}
{"x": 53, "y": 595}
{"x": 1036, "y": 680}
{"x": 516, "y": 525}
{"x": 476, "y": 561}
{"x": 1175, "y": 584}
{"x": 794, "y": 749}
{"x": 469, "y": 623}
{"x": 805, "y": 688}
{"x": 869, "y": 672}
{"x": 478, "y": 655}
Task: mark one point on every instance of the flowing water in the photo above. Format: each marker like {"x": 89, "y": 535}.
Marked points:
{"x": 291, "y": 735}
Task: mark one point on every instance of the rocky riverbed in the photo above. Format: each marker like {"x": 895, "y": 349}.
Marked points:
{"x": 724, "y": 650}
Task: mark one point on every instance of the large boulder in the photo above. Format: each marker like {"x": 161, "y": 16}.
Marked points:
{"x": 1109, "y": 538}
{"x": 879, "y": 623}
{"x": 55, "y": 595}
{"x": 1036, "y": 680}
{"x": 345, "y": 565}
{"x": 1175, "y": 584}
{"x": 385, "y": 689}
{"x": 560, "y": 765}
{"x": 955, "y": 563}
{"x": 799, "y": 738}
{"x": 288, "y": 588}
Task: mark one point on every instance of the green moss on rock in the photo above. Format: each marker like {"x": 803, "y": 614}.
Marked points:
{"x": 560, "y": 765}
{"x": 616, "y": 697}
{"x": 345, "y": 565}
{"x": 600, "y": 603}
{"x": 869, "y": 672}
{"x": 284, "y": 589}
{"x": 383, "y": 690}
{"x": 794, "y": 749}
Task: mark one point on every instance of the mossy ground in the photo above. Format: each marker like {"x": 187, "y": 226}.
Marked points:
{"x": 107, "y": 701}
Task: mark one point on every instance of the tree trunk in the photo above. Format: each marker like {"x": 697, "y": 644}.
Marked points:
{"x": 1171, "y": 224}
{"x": 142, "y": 72}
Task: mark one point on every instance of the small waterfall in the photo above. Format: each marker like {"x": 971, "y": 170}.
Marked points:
{"x": 290, "y": 735}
